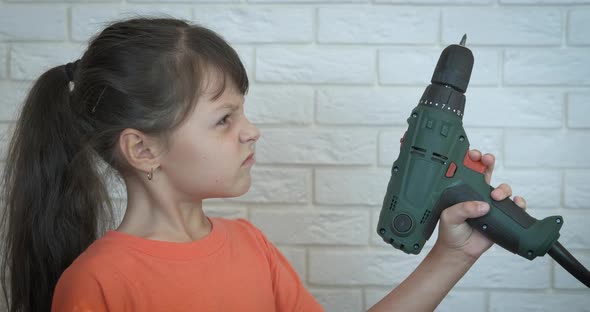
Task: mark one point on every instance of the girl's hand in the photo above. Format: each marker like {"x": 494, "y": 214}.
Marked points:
{"x": 455, "y": 234}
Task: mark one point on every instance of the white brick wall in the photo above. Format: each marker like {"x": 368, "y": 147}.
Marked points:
{"x": 350, "y": 186}
{"x": 315, "y": 65}
{"x": 579, "y": 19}
{"x": 311, "y": 146}
{"x": 576, "y": 189}
{"x": 283, "y": 185}
{"x": 547, "y": 67}
{"x": 503, "y": 25}
{"x": 332, "y": 84}
{"x": 377, "y": 25}
{"x": 511, "y": 301}
{"x": 578, "y": 112}
{"x": 558, "y": 148}
{"x": 16, "y": 22}
{"x": 259, "y": 25}
{"x": 280, "y": 105}
{"x": 30, "y": 60}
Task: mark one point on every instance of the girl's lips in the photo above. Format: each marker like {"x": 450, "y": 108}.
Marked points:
{"x": 249, "y": 161}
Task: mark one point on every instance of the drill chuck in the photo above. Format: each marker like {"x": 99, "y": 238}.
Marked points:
{"x": 450, "y": 80}
{"x": 454, "y": 67}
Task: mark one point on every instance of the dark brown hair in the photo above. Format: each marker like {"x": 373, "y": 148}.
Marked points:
{"x": 142, "y": 73}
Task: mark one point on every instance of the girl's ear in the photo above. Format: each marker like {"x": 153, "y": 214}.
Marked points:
{"x": 141, "y": 151}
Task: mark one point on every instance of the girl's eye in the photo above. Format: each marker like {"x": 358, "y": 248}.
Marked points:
{"x": 224, "y": 120}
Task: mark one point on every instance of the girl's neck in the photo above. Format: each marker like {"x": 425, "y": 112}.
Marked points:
{"x": 154, "y": 212}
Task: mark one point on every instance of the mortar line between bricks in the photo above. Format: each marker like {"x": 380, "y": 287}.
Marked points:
{"x": 536, "y": 291}
{"x": 562, "y": 190}
{"x": 565, "y": 18}
{"x": 316, "y": 23}
{"x": 503, "y": 136}
{"x": 501, "y": 61}
{"x": 376, "y": 71}
{"x": 254, "y": 64}
{"x": 315, "y": 106}
{"x": 565, "y": 110}
{"x": 312, "y": 194}
{"x": 536, "y": 5}
{"x": 307, "y": 265}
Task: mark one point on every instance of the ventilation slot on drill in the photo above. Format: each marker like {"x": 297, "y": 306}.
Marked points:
{"x": 393, "y": 203}
{"x": 439, "y": 158}
{"x": 418, "y": 151}
{"x": 425, "y": 217}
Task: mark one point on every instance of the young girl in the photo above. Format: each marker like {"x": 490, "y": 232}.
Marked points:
{"x": 161, "y": 101}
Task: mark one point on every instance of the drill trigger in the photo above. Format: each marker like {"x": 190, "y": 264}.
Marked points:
{"x": 473, "y": 165}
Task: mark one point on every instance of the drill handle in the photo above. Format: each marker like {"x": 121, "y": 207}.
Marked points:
{"x": 506, "y": 224}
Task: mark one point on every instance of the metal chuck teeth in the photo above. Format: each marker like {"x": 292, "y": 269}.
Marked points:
{"x": 463, "y": 40}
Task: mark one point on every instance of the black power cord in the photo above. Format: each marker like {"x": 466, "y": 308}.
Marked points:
{"x": 568, "y": 262}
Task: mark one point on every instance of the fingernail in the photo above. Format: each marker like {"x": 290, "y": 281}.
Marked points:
{"x": 484, "y": 207}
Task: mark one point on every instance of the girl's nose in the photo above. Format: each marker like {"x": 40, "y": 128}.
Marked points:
{"x": 249, "y": 133}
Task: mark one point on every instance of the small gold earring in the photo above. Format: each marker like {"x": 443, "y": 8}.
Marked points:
{"x": 150, "y": 174}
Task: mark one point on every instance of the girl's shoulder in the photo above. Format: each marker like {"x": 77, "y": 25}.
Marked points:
{"x": 245, "y": 235}
{"x": 96, "y": 260}
{"x": 239, "y": 224}
{"x": 242, "y": 228}
{"x": 88, "y": 274}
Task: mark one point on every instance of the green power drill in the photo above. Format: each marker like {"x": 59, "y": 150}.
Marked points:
{"x": 433, "y": 172}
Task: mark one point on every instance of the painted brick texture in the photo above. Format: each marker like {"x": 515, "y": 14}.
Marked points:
{"x": 332, "y": 83}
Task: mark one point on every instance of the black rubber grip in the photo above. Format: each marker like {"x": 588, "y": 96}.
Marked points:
{"x": 506, "y": 224}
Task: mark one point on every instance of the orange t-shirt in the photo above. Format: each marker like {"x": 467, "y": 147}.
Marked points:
{"x": 234, "y": 268}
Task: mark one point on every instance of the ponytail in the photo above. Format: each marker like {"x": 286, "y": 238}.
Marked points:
{"x": 53, "y": 197}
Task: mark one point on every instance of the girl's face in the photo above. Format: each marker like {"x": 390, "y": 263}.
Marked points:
{"x": 211, "y": 153}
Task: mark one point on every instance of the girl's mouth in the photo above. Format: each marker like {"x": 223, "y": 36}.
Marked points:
{"x": 249, "y": 161}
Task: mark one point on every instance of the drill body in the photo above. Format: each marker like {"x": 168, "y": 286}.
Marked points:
{"x": 434, "y": 172}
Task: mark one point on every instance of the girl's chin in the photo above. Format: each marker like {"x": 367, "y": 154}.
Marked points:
{"x": 237, "y": 191}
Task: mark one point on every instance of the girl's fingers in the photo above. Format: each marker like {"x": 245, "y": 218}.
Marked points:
{"x": 520, "y": 202}
{"x": 489, "y": 160}
{"x": 501, "y": 192}
{"x": 475, "y": 155}
{"x": 460, "y": 212}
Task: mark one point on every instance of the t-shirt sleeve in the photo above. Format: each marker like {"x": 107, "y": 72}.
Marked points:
{"x": 78, "y": 292}
{"x": 290, "y": 293}
{"x": 81, "y": 289}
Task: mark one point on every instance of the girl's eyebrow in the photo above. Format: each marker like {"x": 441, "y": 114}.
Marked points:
{"x": 231, "y": 106}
